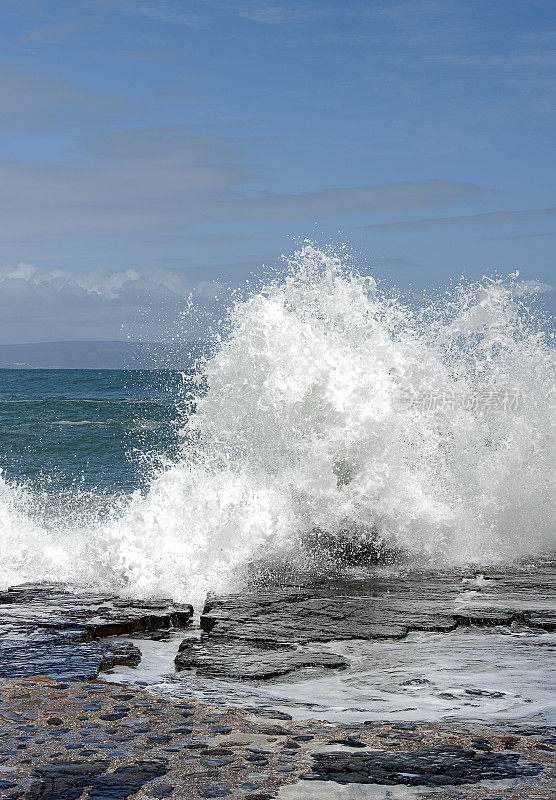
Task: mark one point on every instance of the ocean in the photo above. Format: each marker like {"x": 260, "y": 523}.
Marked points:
{"x": 90, "y": 430}
{"x": 338, "y": 428}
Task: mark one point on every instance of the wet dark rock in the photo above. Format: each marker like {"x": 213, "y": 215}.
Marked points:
{"x": 162, "y": 790}
{"x": 376, "y": 607}
{"x": 64, "y": 780}
{"x": 546, "y": 620}
{"x": 215, "y": 761}
{"x": 220, "y": 729}
{"x": 47, "y": 629}
{"x": 250, "y": 660}
{"x": 272, "y": 730}
{"x": 435, "y": 766}
{"x": 302, "y": 616}
{"x": 214, "y": 791}
{"x": 270, "y": 712}
{"x": 122, "y": 653}
{"x": 484, "y": 693}
{"x": 490, "y": 618}
{"x": 160, "y": 604}
{"x": 126, "y": 780}
{"x": 545, "y": 733}
{"x": 480, "y": 743}
{"x": 486, "y": 748}
{"x": 257, "y": 760}
{"x": 348, "y": 742}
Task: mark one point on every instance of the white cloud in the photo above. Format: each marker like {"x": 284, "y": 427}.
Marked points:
{"x": 167, "y": 11}
{"x": 277, "y": 13}
{"x": 34, "y": 102}
{"x": 43, "y": 305}
{"x": 519, "y": 217}
{"x": 202, "y": 14}
{"x": 160, "y": 179}
{"x": 150, "y": 179}
{"x": 51, "y": 33}
{"x": 106, "y": 285}
{"x": 344, "y": 200}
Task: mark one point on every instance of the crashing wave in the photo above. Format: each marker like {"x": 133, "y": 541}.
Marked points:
{"x": 335, "y": 412}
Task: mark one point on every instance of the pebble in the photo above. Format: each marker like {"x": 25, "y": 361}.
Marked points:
{"x": 214, "y": 791}
{"x": 213, "y": 761}
{"x": 220, "y": 729}
{"x": 162, "y": 790}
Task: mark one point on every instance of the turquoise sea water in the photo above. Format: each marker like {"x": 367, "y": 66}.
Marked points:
{"x": 98, "y": 429}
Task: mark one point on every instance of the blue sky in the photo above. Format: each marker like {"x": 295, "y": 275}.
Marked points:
{"x": 149, "y": 149}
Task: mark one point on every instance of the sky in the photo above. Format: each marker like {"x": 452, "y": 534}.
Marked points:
{"x": 150, "y": 149}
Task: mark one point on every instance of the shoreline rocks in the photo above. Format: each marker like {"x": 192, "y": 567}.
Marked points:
{"x": 64, "y": 735}
{"x": 95, "y": 739}
{"x": 252, "y": 661}
{"x": 52, "y": 630}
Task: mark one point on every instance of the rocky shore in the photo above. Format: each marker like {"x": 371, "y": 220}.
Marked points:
{"x": 65, "y": 734}
{"x": 90, "y": 739}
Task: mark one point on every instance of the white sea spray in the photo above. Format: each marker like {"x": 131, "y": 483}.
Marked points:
{"x": 332, "y": 408}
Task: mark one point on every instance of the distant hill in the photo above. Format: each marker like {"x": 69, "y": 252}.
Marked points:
{"x": 98, "y": 355}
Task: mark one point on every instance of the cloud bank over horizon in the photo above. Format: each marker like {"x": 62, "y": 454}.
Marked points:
{"x": 147, "y": 304}
{"x": 59, "y": 305}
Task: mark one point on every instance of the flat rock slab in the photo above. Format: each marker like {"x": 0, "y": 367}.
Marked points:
{"x": 47, "y": 629}
{"x": 385, "y": 607}
{"x": 435, "y": 766}
{"x": 265, "y": 633}
{"x": 67, "y": 780}
{"x": 250, "y": 661}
